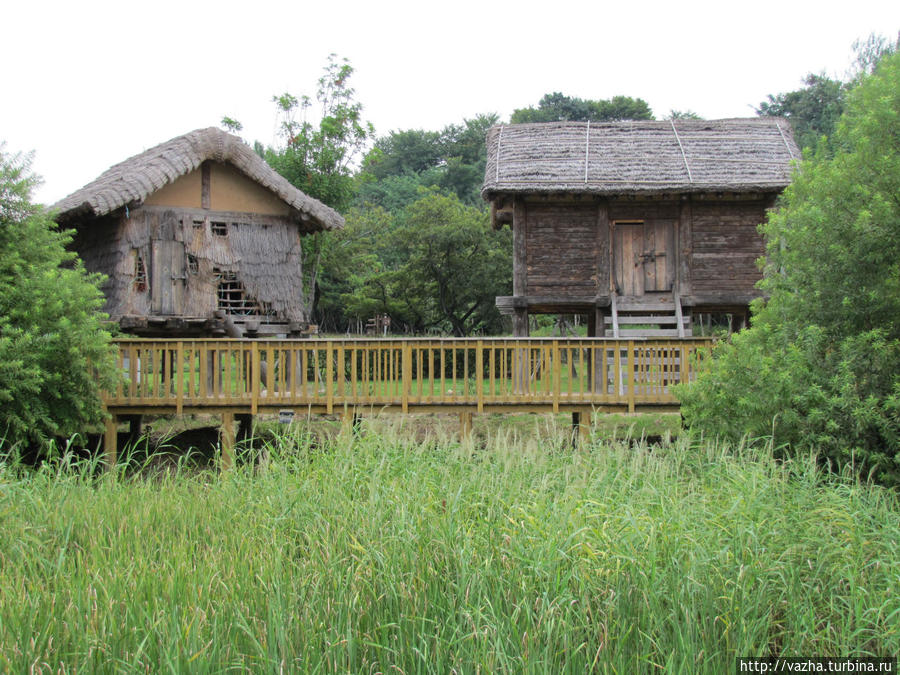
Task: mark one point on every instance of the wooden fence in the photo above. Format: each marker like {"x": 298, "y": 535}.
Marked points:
{"x": 268, "y": 375}
{"x": 406, "y": 375}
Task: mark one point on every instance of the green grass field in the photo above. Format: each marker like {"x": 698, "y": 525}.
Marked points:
{"x": 383, "y": 553}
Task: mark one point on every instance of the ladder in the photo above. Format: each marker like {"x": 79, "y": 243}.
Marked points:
{"x": 658, "y": 317}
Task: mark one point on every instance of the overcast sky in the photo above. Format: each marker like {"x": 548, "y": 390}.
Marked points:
{"x": 87, "y": 84}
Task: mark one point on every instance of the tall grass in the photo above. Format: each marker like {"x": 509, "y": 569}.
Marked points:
{"x": 378, "y": 554}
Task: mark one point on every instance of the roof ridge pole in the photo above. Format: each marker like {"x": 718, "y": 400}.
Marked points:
{"x": 786, "y": 144}
{"x": 681, "y": 147}
{"x": 587, "y": 147}
{"x": 499, "y": 141}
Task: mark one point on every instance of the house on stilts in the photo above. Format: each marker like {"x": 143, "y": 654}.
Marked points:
{"x": 197, "y": 236}
{"x": 637, "y": 225}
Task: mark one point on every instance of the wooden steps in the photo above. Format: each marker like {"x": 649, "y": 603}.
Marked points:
{"x": 661, "y": 317}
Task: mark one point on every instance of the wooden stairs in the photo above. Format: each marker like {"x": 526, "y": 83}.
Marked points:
{"x": 656, "y": 317}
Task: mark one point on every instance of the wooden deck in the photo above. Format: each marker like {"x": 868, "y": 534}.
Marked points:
{"x": 250, "y": 377}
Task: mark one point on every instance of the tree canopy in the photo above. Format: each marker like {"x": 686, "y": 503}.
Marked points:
{"x": 558, "y": 107}
{"x": 820, "y": 367}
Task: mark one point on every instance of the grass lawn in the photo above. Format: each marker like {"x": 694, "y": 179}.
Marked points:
{"x": 398, "y": 552}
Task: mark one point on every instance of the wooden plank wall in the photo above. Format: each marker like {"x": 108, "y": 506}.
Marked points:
{"x": 725, "y": 245}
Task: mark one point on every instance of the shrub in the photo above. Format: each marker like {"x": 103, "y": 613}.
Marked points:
{"x": 54, "y": 352}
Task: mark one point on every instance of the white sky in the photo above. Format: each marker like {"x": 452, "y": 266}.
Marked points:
{"x": 89, "y": 83}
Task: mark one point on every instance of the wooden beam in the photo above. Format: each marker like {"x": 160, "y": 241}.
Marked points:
{"x": 227, "y": 441}
{"x": 520, "y": 269}
{"x": 205, "y": 183}
{"x": 110, "y": 442}
{"x": 465, "y": 426}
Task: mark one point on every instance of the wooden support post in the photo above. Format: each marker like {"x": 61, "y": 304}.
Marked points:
{"x": 581, "y": 429}
{"x": 245, "y": 427}
{"x": 110, "y": 442}
{"x": 135, "y": 427}
{"x": 465, "y": 426}
{"x": 350, "y": 421}
{"x": 520, "y": 323}
{"x": 227, "y": 440}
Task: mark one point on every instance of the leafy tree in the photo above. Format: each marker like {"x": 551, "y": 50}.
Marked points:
{"x": 452, "y": 159}
{"x": 319, "y": 159}
{"x": 557, "y": 107}
{"x": 54, "y": 352}
{"x": 820, "y": 368}
{"x": 436, "y": 265}
{"x": 813, "y": 110}
{"x": 683, "y": 115}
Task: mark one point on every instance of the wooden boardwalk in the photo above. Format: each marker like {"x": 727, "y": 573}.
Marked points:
{"x": 250, "y": 377}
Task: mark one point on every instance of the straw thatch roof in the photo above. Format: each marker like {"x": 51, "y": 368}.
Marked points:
{"x": 139, "y": 176}
{"x": 734, "y": 155}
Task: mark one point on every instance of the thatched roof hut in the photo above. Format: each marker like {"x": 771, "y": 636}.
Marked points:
{"x": 659, "y": 217}
{"x": 193, "y": 230}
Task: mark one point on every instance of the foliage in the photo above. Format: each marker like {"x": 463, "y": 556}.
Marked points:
{"x": 387, "y": 554}
{"x": 683, "y": 115}
{"x": 813, "y": 110}
{"x": 231, "y": 125}
{"x": 452, "y": 159}
{"x": 319, "y": 159}
{"x": 436, "y": 265}
{"x": 821, "y": 365}
{"x": 558, "y": 107}
{"x": 54, "y": 352}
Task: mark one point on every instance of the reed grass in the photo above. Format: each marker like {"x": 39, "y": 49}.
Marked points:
{"x": 380, "y": 554}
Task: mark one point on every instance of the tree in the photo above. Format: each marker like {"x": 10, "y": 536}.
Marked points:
{"x": 683, "y": 115}
{"x": 319, "y": 159}
{"x": 54, "y": 352}
{"x": 557, "y": 107}
{"x": 452, "y": 159}
{"x": 435, "y": 265}
{"x": 820, "y": 367}
{"x": 813, "y": 110}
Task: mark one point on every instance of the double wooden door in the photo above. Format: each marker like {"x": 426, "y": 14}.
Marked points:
{"x": 643, "y": 257}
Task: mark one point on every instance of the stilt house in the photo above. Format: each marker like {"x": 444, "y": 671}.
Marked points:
{"x": 635, "y": 224}
{"x": 195, "y": 235}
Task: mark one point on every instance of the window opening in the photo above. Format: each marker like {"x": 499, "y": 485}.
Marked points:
{"x": 219, "y": 228}
{"x": 193, "y": 264}
{"x": 232, "y": 296}
{"x": 199, "y": 223}
{"x": 140, "y": 273}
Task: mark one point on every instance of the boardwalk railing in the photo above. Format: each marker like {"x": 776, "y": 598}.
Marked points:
{"x": 252, "y": 376}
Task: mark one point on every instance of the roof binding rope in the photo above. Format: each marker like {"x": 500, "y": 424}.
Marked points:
{"x": 499, "y": 140}
{"x": 786, "y": 144}
{"x": 681, "y": 147}
{"x": 587, "y": 147}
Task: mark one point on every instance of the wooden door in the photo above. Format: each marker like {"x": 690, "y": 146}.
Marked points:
{"x": 643, "y": 257}
{"x": 167, "y": 278}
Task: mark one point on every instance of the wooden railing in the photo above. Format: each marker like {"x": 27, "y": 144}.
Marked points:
{"x": 251, "y": 376}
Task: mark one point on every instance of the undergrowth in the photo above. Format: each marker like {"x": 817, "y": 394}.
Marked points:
{"x": 379, "y": 554}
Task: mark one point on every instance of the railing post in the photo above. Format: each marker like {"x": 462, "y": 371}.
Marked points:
{"x": 557, "y": 365}
{"x": 632, "y": 375}
{"x": 479, "y": 378}
{"x": 329, "y": 377}
{"x": 405, "y": 375}
{"x": 255, "y": 376}
{"x": 179, "y": 377}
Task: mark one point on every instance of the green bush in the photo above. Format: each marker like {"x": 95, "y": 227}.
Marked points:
{"x": 54, "y": 352}
{"x": 820, "y": 368}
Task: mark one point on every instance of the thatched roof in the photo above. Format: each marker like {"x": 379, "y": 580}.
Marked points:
{"x": 139, "y": 176}
{"x": 734, "y": 155}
